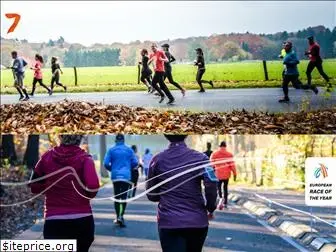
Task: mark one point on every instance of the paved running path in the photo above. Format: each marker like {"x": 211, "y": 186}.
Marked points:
{"x": 224, "y": 100}
{"x": 232, "y": 229}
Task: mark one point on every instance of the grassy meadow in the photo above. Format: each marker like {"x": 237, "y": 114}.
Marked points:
{"x": 124, "y": 78}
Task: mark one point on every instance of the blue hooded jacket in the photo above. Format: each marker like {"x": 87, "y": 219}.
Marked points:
{"x": 291, "y": 61}
{"x": 120, "y": 160}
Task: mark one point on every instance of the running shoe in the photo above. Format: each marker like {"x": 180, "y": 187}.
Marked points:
{"x": 183, "y": 91}
{"x": 50, "y": 92}
{"x": 171, "y": 101}
{"x": 161, "y": 100}
{"x": 211, "y": 84}
{"x": 116, "y": 222}
{"x": 201, "y": 91}
{"x": 149, "y": 89}
{"x": 25, "y": 99}
{"x": 121, "y": 222}
{"x": 65, "y": 88}
{"x": 31, "y": 94}
{"x": 284, "y": 100}
{"x": 220, "y": 206}
{"x": 21, "y": 98}
{"x": 315, "y": 90}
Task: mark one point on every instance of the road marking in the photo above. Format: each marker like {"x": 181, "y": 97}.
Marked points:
{"x": 273, "y": 230}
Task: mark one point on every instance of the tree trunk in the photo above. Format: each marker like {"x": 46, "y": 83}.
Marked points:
{"x": 103, "y": 171}
{"x": 31, "y": 155}
{"x": 8, "y": 149}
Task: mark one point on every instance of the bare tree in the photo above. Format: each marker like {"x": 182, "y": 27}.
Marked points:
{"x": 103, "y": 171}
{"x": 31, "y": 155}
{"x": 8, "y": 149}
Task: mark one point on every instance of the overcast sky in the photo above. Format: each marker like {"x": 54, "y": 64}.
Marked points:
{"x": 108, "y": 22}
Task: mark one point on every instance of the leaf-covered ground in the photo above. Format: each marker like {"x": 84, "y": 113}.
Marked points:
{"x": 92, "y": 118}
{"x": 15, "y": 219}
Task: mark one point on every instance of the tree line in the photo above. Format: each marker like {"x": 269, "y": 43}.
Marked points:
{"x": 217, "y": 48}
{"x": 85, "y": 58}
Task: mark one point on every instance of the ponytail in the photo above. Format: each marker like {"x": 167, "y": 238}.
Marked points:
{"x": 39, "y": 57}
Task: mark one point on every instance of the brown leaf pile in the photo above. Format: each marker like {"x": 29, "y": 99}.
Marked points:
{"x": 92, "y": 118}
{"x": 15, "y": 219}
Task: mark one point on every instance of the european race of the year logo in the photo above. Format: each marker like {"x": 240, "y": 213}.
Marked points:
{"x": 320, "y": 177}
{"x": 321, "y": 170}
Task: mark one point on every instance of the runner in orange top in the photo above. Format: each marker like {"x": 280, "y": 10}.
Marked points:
{"x": 223, "y": 172}
{"x": 159, "y": 59}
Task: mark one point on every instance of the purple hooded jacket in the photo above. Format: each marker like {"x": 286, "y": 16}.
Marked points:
{"x": 181, "y": 202}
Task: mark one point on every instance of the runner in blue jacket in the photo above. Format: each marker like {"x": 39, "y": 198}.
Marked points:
{"x": 291, "y": 72}
{"x": 120, "y": 160}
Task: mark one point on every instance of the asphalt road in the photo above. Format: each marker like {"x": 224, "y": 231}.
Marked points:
{"x": 231, "y": 230}
{"x": 296, "y": 200}
{"x": 218, "y": 100}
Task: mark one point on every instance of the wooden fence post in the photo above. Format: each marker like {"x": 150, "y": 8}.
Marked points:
{"x": 75, "y": 70}
{"x": 265, "y": 70}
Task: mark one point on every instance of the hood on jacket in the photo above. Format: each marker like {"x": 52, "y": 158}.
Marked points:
{"x": 67, "y": 154}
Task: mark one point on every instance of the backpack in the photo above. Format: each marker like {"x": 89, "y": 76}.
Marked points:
{"x": 24, "y": 63}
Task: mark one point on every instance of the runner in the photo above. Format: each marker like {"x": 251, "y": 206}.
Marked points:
{"x": 298, "y": 84}
{"x": 147, "y": 157}
{"x": 183, "y": 212}
{"x": 223, "y": 172}
{"x": 120, "y": 160}
{"x": 18, "y": 69}
{"x": 68, "y": 215}
{"x": 38, "y": 74}
{"x": 56, "y": 71}
{"x": 315, "y": 60}
{"x": 208, "y": 151}
{"x": 135, "y": 172}
{"x": 168, "y": 68}
{"x": 291, "y": 73}
{"x": 199, "y": 62}
{"x": 159, "y": 58}
{"x": 146, "y": 72}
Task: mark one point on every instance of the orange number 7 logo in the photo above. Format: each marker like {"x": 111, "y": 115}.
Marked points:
{"x": 16, "y": 21}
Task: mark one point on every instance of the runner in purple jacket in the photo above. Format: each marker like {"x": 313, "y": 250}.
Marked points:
{"x": 183, "y": 211}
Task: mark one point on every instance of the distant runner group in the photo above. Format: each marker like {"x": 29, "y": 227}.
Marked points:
{"x": 162, "y": 60}
{"x": 18, "y": 69}
{"x": 291, "y": 73}
{"x": 163, "y": 70}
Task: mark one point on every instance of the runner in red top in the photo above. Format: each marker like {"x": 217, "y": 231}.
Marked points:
{"x": 38, "y": 74}
{"x": 223, "y": 172}
{"x": 315, "y": 60}
{"x": 159, "y": 59}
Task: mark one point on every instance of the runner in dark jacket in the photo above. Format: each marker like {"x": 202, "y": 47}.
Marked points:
{"x": 199, "y": 62}
{"x": 56, "y": 71}
{"x": 168, "y": 69}
{"x": 146, "y": 72}
{"x": 183, "y": 212}
{"x": 315, "y": 60}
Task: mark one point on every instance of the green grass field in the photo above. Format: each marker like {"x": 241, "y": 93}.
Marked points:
{"x": 225, "y": 75}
